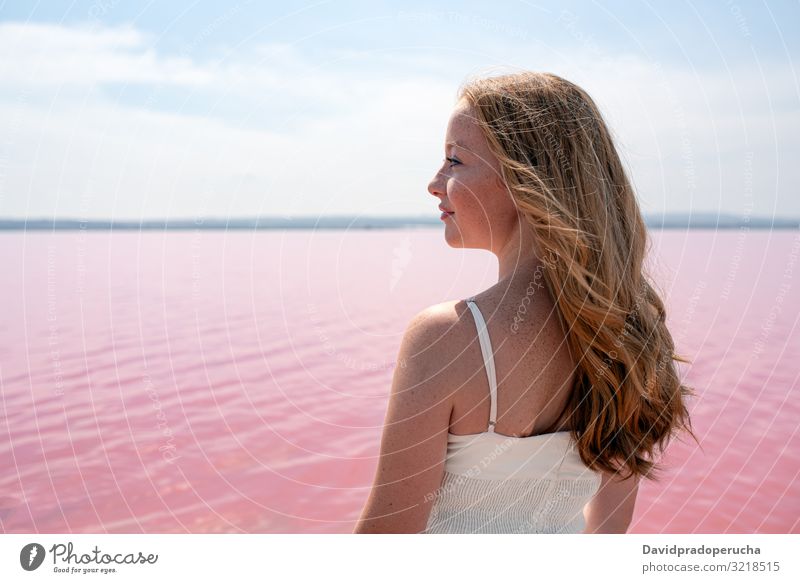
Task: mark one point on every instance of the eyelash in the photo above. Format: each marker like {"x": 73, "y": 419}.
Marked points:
{"x": 452, "y": 160}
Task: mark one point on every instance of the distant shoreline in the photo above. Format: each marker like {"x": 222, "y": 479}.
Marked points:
{"x": 676, "y": 221}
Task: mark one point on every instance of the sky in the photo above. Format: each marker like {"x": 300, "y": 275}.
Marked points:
{"x": 144, "y": 110}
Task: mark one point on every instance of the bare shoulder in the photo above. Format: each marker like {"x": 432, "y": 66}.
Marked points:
{"x": 438, "y": 317}
{"x": 434, "y": 340}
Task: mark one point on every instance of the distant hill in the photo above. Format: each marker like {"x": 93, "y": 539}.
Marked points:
{"x": 665, "y": 221}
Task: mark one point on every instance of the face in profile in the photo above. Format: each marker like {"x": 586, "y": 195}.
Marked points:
{"x": 480, "y": 210}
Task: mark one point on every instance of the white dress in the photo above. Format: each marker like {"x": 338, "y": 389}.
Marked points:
{"x": 495, "y": 483}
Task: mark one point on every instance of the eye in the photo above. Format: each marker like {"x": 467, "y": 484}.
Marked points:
{"x": 452, "y": 161}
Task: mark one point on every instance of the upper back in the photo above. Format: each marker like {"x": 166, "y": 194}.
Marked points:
{"x": 532, "y": 363}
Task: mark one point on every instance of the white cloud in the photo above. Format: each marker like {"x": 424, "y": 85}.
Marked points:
{"x": 49, "y": 54}
{"x": 81, "y": 154}
{"x": 360, "y": 140}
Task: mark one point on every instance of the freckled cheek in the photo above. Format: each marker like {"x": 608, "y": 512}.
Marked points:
{"x": 470, "y": 215}
{"x": 462, "y": 195}
{"x": 468, "y": 199}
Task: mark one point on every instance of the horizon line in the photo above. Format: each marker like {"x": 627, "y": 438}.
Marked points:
{"x": 698, "y": 220}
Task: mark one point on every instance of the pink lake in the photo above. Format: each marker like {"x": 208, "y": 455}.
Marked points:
{"x": 212, "y": 381}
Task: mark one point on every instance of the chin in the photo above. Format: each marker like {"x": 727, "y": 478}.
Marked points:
{"x": 454, "y": 240}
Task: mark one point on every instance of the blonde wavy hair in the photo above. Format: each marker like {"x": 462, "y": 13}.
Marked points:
{"x": 558, "y": 160}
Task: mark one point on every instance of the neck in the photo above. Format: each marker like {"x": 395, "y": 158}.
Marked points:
{"x": 517, "y": 259}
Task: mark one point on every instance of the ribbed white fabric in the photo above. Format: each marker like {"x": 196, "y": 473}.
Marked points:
{"x": 495, "y": 483}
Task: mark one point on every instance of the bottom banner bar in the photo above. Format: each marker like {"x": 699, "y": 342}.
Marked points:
{"x": 354, "y": 558}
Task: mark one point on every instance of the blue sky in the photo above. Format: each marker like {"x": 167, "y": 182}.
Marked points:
{"x": 126, "y": 110}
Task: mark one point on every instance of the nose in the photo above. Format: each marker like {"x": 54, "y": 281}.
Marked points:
{"x": 437, "y": 185}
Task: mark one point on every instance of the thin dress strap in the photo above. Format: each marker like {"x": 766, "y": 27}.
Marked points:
{"x": 488, "y": 359}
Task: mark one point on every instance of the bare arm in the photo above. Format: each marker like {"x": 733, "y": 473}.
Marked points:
{"x": 611, "y": 509}
{"x": 414, "y": 441}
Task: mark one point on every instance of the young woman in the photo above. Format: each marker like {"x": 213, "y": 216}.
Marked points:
{"x": 538, "y": 404}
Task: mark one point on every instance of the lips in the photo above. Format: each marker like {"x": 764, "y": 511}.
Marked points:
{"x": 444, "y": 210}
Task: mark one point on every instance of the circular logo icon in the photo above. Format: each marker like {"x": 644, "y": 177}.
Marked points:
{"x": 31, "y": 556}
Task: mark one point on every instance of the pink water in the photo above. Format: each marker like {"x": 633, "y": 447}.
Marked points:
{"x": 236, "y": 382}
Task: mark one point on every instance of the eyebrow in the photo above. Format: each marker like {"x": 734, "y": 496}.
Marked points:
{"x": 455, "y": 144}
